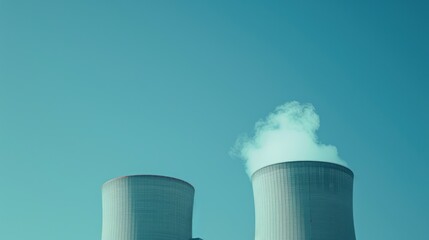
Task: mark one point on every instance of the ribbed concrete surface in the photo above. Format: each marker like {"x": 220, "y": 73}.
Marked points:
{"x": 303, "y": 201}
{"x": 146, "y": 207}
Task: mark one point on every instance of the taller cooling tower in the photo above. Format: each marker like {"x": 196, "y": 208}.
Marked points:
{"x": 303, "y": 200}
{"x": 147, "y": 207}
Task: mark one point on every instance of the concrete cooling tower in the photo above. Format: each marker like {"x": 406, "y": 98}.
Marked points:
{"x": 303, "y": 200}
{"x": 147, "y": 207}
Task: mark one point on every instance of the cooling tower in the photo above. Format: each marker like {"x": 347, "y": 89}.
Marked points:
{"x": 303, "y": 200}
{"x": 147, "y": 207}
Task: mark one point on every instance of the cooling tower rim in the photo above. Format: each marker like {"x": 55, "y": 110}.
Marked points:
{"x": 149, "y": 176}
{"x": 303, "y": 162}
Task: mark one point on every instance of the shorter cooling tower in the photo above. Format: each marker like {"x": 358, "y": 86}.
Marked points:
{"x": 147, "y": 207}
{"x": 303, "y": 200}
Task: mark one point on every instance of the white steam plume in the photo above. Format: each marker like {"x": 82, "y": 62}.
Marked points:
{"x": 287, "y": 134}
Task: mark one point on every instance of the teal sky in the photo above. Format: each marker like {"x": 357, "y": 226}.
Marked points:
{"x": 92, "y": 90}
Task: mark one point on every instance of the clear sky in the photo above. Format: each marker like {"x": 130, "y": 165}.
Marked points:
{"x": 91, "y": 90}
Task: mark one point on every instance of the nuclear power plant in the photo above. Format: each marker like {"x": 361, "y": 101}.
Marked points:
{"x": 303, "y": 200}
{"x": 147, "y": 207}
{"x": 294, "y": 199}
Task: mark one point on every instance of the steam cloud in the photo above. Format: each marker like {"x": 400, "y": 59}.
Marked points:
{"x": 287, "y": 134}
